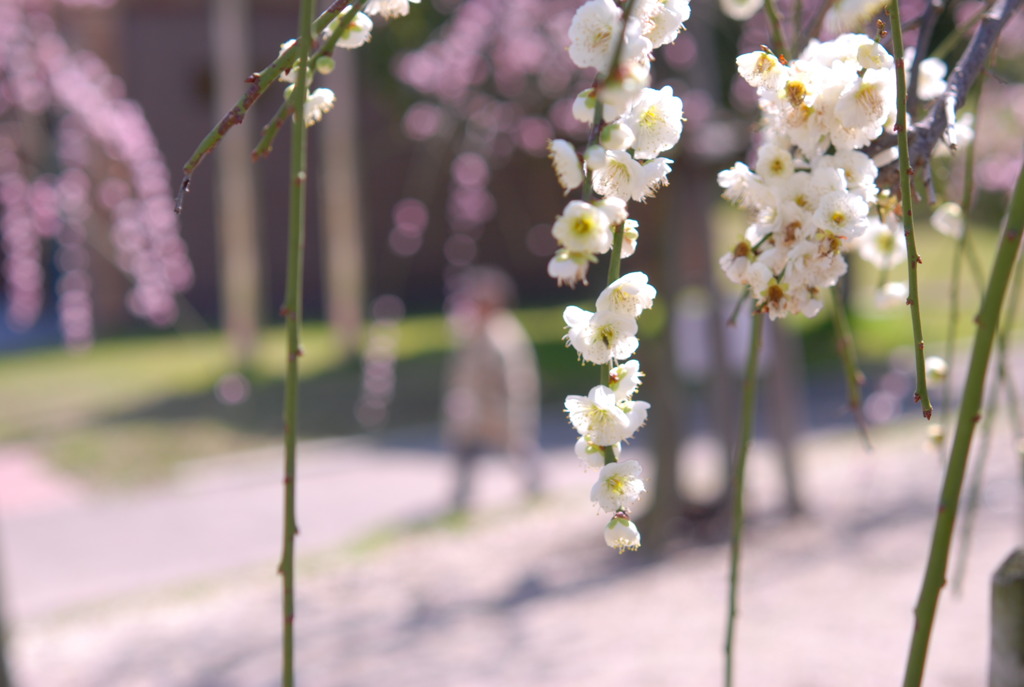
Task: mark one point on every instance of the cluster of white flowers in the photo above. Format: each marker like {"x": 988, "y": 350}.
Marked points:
{"x": 355, "y": 34}
{"x": 812, "y": 192}
{"x": 634, "y": 124}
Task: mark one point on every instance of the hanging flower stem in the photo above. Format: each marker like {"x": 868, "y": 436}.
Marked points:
{"x": 988, "y": 326}
{"x": 326, "y": 48}
{"x": 913, "y": 258}
{"x": 259, "y": 83}
{"x": 292, "y": 311}
{"x": 739, "y": 468}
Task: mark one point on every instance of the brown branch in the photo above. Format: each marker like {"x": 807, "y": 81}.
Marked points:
{"x": 926, "y": 134}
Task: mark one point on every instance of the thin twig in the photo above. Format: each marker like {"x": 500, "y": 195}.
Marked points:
{"x": 258, "y": 85}
{"x": 906, "y": 196}
{"x": 292, "y": 310}
{"x": 988, "y": 325}
{"x": 739, "y": 470}
{"x": 286, "y": 110}
{"x": 928, "y": 132}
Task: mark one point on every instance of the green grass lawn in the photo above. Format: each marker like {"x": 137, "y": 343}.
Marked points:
{"x": 129, "y": 409}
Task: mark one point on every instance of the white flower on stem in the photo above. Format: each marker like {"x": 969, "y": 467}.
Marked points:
{"x": 630, "y": 236}
{"x": 737, "y": 262}
{"x": 741, "y": 186}
{"x": 842, "y": 214}
{"x": 618, "y": 486}
{"x": 868, "y": 103}
{"x": 592, "y": 454}
{"x": 619, "y": 175}
{"x": 318, "y": 103}
{"x": 623, "y": 86}
{"x": 389, "y": 9}
{"x": 594, "y": 34}
{"x": 948, "y": 220}
{"x": 873, "y": 56}
{"x": 774, "y": 162}
{"x": 636, "y": 411}
{"x": 622, "y": 534}
{"x": 356, "y": 34}
{"x": 615, "y": 208}
{"x": 600, "y": 337}
{"x": 630, "y": 295}
{"x": 290, "y": 74}
{"x": 625, "y": 379}
{"x": 583, "y": 106}
{"x": 762, "y": 70}
{"x": 597, "y": 417}
{"x": 666, "y": 20}
{"x": 583, "y": 228}
{"x": 656, "y": 117}
{"x": 617, "y": 136}
{"x": 570, "y": 268}
{"x": 567, "y": 164}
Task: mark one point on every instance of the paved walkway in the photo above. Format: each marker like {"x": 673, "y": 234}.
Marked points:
{"x": 175, "y": 587}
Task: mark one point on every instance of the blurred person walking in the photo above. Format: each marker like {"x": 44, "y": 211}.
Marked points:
{"x": 492, "y": 384}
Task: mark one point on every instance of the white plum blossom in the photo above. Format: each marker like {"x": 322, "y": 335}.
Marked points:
{"x": 389, "y": 9}
{"x": 636, "y": 124}
{"x": 625, "y": 379}
{"x": 617, "y": 136}
{"x": 598, "y": 417}
{"x": 594, "y": 34}
{"x": 356, "y": 34}
{"x": 622, "y": 534}
{"x": 761, "y": 69}
{"x": 569, "y": 268}
{"x": 619, "y": 175}
{"x": 318, "y": 103}
{"x": 591, "y": 454}
{"x": 656, "y": 119}
{"x": 664, "y": 20}
{"x": 566, "y": 164}
{"x": 618, "y": 486}
{"x": 583, "y": 228}
{"x": 847, "y": 15}
{"x": 601, "y": 337}
{"x": 629, "y": 295}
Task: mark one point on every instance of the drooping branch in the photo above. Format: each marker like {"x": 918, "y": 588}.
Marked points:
{"x": 927, "y": 133}
{"x": 259, "y": 83}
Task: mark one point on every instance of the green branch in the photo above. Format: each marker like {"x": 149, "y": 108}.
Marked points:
{"x": 913, "y": 258}
{"x": 258, "y": 85}
{"x": 292, "y": 310}
{"x": 739, "y": 468}
{"x": 988, "y": 326}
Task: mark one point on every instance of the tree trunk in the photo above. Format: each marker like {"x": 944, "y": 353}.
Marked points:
{"x": 341, "y": 227}
{"x": 235, "y": 196}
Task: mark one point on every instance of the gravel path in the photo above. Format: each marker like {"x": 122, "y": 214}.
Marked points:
{"x": 531, "y": 596}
